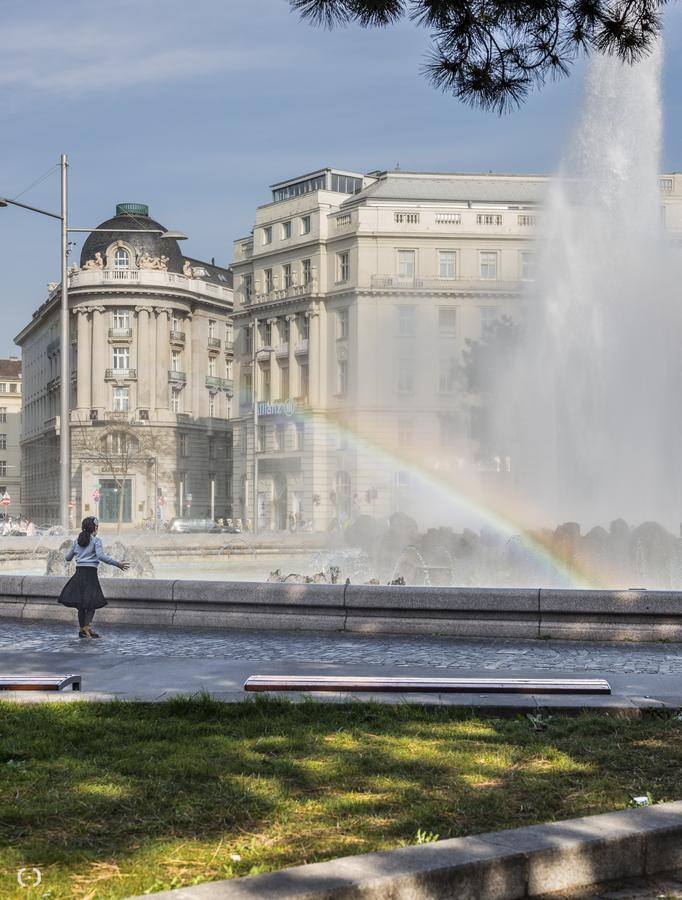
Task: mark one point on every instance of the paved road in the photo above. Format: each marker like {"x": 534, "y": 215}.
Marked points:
{"x": 154, "y": 662}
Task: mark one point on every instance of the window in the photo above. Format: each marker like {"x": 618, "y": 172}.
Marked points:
{"x": 488, "y": 219}
{"x": 14, "y": 388}
{"x": 121, "y": 318}
{"x": 247, "y": 284}
{"x": 121, "y": 259}
{"x": 3, "y": 467}
{"x": 280, "y": 437}
{"x": 303, "y": 374}
{"x": 183, "y": 444}
{"x": 305, "y": 224}
{"x": 447, "y": 375}
{"x": 307, "y": 271}
{"x": 288, "y": 278}
{"x": 406, "y": 376}
{"x": 405, "y": 432}
{"x": 346, "y": 184}
{"x": 175, "y": 400}
{"x": 121, "y": 358}
{"x": 300, "y": 436}
{"x": 229, "y": 446}
{"x": 304, "y": 327}
{"x": 406, "y": 263}
{"x": 3, "y": 441}
{"x": 488, "y": 265}
{"x": 446, "y": 264}
{"x": 447, "y": 320}
{"x": 119, "y": 443}
{"x": 121, "y": 399}
{"x": 269, "y": 282}
{"x": 175, "y": 322}
{"x": 285, "y": 329}
{"x": 211, "y": 405}
{"x": 267, "y": 334}
{"x": 343, "y": 221}
{"x": 407, "y": 320}
{"x": 527, "y": 265}
{"x": 266, "y": 382}
{"x": 211, "y": 328}
{"x": 342, "y": 324}
{"x": 342, "y": 377}
{"x": 3, "y": 388}
{"x": 3, "y": 413}
{"x": 176, "y": 363}
{"x": 228, "y": 368}
{"x": 211, "y": 448}
{"x": 300, "y": 187}
{"x": 229, "y": 333}
{"x": 448, "y": 218}
{"x": 403, "y": 218}
{"x": 526, "y": 221}
{"x": 248, "y": 340}
{"x": 247, "y": 382}
{"x": 343, "y": 266}
{"x": 211, "y": 366}
{"x": 262, "y": 438}
{"x": 286, "y": 230}
{"x": 267, "y": 234}
{"x": 488, "y": 316}
{"x": 284, "y": 382}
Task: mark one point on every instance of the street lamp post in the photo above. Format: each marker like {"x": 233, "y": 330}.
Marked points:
{"x": 64, "y": 370}
{"x": 254, "y": 393}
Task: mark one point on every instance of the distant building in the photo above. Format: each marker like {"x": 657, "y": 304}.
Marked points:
{"x": 10, "y": 435}
{"x": 365, "y": 290}
{"x": 151, "y": 381}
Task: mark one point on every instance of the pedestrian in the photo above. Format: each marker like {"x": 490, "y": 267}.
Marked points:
{"x": 82, "y": 591}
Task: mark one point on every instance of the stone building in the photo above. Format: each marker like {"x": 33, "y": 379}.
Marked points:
{"x": 355, "y": 296}
{"x": 10, "y": 435}
{"x": 151, "y": 381}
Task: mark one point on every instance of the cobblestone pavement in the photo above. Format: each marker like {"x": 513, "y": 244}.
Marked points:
{"x": 503, "y": 655}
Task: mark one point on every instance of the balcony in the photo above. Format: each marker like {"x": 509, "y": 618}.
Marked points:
{"x": 212, "y": 381}
{"x": 447, "y": 285}
{"x": 282, "y": 349}
{"x": 229, "y": 347}
{"x": 120, "y": 375}
{"x": 302, "y": 347}
{"x": 214, "y": 343}
{"x": 290, "y": 293}
{"x": 177, "y": 377}
{"x": 177, "y": 337}
{"x": 227, "y": 384}
{"x": 144, "y": 277}
{"x": 120, "y": 334}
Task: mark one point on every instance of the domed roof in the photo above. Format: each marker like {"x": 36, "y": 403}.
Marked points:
{"x": 133, "y": 216}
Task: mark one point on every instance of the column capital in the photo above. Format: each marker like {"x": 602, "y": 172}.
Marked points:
{"x": 290, "y": 317}
{"x": 147, "y": 309}
{"x": 161, "y": 311}
{"x": 272, "y": 321}
{"x": 312, "y": 310}
{"x": 82, "y": 310}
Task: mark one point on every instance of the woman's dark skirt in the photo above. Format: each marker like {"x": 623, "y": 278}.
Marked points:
{"x": 83, "y": 590}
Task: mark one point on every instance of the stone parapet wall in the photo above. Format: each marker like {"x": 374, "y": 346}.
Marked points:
{"x": 371, "y": 609}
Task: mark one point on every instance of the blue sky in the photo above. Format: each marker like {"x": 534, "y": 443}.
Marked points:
{"x": 195, "y": 108}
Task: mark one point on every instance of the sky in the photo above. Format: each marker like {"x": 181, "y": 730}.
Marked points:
{"x": 196, "y": 108}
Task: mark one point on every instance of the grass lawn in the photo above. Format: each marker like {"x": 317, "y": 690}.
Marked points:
{"x": 115, "y": 799}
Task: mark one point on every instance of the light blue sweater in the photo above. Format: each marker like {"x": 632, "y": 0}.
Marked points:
{"x": 91, "y": 556}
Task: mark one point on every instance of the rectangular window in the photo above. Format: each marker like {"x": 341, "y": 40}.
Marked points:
{"x": 211, "y": 366}
{"x": 448, "y": 218}
{"x": 526, "y": 221}
{"x": 303, "y": 373}
{"x": 3, "y": 441}
{"x": 211, "y": 448}
{"x": 288, "y": 278}
{"x": 280, "y": 437}
{"x": 343, "y": 266}
{"x": 405, "y": 432}
{"x": 488, "y": 316}
{"x": 247, "y": 283}
{"x": 406, "y": 369}
{"x": 407, "y": 320}
{"x": 300, "y": 436}
{"x": 121, "y": 358}
{"x": 176, "y": 364}
{"x": 121, "y": 399}
{"x": 211, "y": 328}
{"x": 403, "y": 218}
{"x": 3, "y": 388}
{"x": 183, "y": 444}
{"x": 266, "y": 382}
{"x": 247, "y": 391}
{"x": 175, "y": 323}
{"x": 488, "y": 219}
{"x": 305, "y": 224}
{"x": 286, "y": 230}
{"x": 406, "y": 263}
{"x": 285, "y": 329}
{"x": 248, "y": 339}
{"x": 447, "y": 320}
{"x": 121, "y": 318}
{"x": 175, "y": 400}
{"x": 307, "y": 271}
{"x": 14, "y": 388}
{"x": 284, "y": 382}
{"x": 269, "y": 282}
{"x": 267, "y": 334}
{"x": 446, "y": 264}
{"x": 342, "y": 324}
{"x": 304, "y": 327}
{"x": 267, "y": 234}
{"x": 343, "y": 377}
{"x": 262, "y": 438}
{"x": 488, "y": 265}
{"x": 527, "y": 265}
{"x": 3, "y": 413}
{"x": 447, "y": 375}
{"x": 3, "y": 467}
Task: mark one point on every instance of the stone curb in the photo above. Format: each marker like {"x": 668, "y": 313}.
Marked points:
{"x": 501, "y": 865}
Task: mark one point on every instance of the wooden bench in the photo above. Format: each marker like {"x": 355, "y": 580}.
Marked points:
{"x": 427, "y": 685}
{"x": 39, "y": 682}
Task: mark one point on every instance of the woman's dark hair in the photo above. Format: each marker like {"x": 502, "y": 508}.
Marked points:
{"x": 88, "y": 526}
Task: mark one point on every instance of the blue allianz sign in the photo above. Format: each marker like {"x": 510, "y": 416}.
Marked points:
{"x": 277, "y": 408}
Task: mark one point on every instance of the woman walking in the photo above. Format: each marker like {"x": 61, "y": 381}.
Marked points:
{"x": 83, "y": 590}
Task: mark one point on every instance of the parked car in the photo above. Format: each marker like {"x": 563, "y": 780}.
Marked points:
{"x": 185, "y": 526}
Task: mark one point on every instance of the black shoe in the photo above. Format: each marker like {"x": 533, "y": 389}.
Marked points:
{"x": 82, "y": 633}
{"x": 94, "y": 634}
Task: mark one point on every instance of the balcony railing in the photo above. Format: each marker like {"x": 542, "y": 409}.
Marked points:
{"x": 227, "y": 384}
{"x": 88, "y": 277}
{"x": 451, "y": 285}
{"x": 214, "y": 343}
{"x": 282, "y": 349}
{"x": 212, "y": 381}
{"x": 290, "y": 293}
{"x": 177, "y": 377}
{"x": 120, "y": 333}
{"x": 120, "y": 375}
{"x": 177, "y": 337}
{"x": 229, "y": 346}
{"x": 302, "y": 347}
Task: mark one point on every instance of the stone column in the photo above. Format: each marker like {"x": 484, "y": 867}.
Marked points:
{"x": 144, "y": 358}
{"x": 314, "y": 356}
{"x": 293, "y": 369}
{"x": 84, "y": 353}
{"x": 162, "y": 358}
{"x": 274, "y": 361}
{"x": 197, "y": 377}
{"x": 101, "y": 359}
{"x": 187, "y": 399}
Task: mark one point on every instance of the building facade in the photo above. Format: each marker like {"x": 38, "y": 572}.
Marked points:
{"x": 356, "y": 297}
{"x": 10, "y": 436}
{"x": 151, "y": 381}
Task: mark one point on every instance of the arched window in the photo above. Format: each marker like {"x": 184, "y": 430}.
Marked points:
{"x": 121, "y": 259}
{"x": 119, "y": 443}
